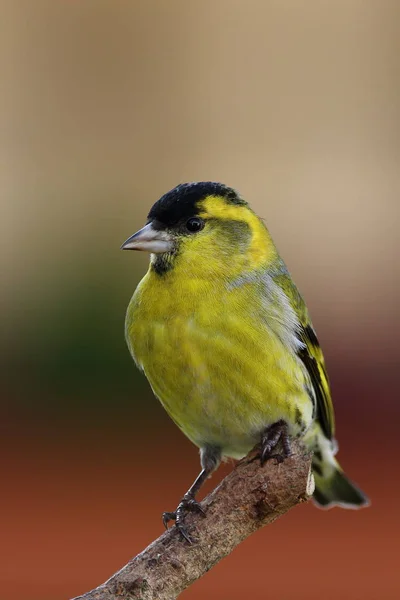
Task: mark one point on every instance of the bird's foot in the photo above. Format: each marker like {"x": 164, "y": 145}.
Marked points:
{"x": 187, "y": 504}
{"x": 275, "y": 433}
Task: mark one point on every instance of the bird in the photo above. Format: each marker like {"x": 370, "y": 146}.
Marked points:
{"x": 226, "y": 342}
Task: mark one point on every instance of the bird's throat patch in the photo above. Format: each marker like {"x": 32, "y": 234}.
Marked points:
{"x": 162, "y": 263}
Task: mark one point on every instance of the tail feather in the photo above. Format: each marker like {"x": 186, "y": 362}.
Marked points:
{"x": 338, "y": 490}
{"x": 332, "y": 487}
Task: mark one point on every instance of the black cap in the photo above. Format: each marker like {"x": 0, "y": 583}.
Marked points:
{"x": 183, "y": 201}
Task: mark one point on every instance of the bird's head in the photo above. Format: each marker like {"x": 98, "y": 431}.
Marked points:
{"x": 203, "y": 228}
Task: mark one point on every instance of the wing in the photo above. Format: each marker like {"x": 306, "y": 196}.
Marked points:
{"x": 311, "y": 355}
{"x": 313, "y": 359}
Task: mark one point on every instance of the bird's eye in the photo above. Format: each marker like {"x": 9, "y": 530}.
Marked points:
{"x": 194, "y": 224}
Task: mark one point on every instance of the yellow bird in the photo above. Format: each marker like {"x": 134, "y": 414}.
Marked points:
{"x": 225, "y": 339}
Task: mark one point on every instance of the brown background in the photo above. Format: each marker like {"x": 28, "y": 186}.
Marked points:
{"x": 105, "y": 105}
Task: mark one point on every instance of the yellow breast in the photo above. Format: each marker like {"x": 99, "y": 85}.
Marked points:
{"x": 217, "y": 358}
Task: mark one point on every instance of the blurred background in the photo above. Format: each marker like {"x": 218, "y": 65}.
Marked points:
{"x": 105, "y": 105}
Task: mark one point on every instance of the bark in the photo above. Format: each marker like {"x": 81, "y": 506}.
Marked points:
{"x": 249, "y": 498}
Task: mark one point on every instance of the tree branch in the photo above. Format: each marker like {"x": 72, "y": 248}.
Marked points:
{"x": 250, "y": 497}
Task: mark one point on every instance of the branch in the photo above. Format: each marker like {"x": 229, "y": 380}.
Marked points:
{"x": 249, "y": 497}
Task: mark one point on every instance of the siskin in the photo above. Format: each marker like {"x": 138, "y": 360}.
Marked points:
{"x": 225, "y": 339}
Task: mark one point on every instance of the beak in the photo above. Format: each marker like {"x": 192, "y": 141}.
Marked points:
{"x": 149, "y": 239}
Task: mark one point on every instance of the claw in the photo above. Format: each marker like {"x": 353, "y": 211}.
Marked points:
{"x": 185, "y": 534}
{"x": 194, "y": 506}
{"x": 278, "y": 432}
{"x": 187, "y": 504}
{"x": 167, "y": 517}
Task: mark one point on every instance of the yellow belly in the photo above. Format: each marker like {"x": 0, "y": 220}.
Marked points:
{"x": 218, "y": 370}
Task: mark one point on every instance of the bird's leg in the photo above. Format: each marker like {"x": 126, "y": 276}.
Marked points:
{"x": 187, "y": 504}
{"x": 275, "y": 433}
{"x": 210, "y": 459}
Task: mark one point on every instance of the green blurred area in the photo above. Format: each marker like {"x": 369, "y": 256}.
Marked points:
{"x": 67, "y": 352}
